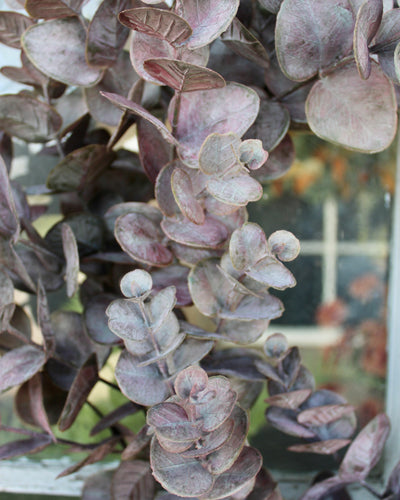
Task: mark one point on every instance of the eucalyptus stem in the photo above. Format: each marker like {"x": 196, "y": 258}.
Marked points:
{"x": 175, "y": 118}
{"x": 110, "y": 384}
{"x": 57, "y": 138}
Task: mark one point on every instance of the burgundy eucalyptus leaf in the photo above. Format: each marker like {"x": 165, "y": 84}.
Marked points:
{"x": 28, "y": 119}
{"x": 268, "y": 371}
{"x": 238, "y": 362}
{"x": 19, "y": 365}
{"x": 145, "y": 386}
{"x": 72, "y": 259}
{"x": 25, "y": 446}
{"x": 365, "y": 451}
{"x": 276, "y": 345}
{"x": 271, "y": 5}
{"x": 9, "y": 221}
{"x": 321, "y": 447}
{"x": 6, "y": 149}
{"x": 140, "y": 238}
{"x": 207, "y": 109}
{"x": 115, "y": 211}
{"x": 289, "y": 400}
{"x": 175, "y": 275}
{"x": 322, "y": 415}
{"x": 247, "y": 246}
{"x": 219, "y": 154}
{"x": 96, "y": 320}
{"x": 311, "y": 35}
{"x": 368, "y": 20}
{"x": 98, "y": 454}
{"x": 136, "y": 284}
{"x": 136, "y": 109}
{"x": 191, "y": 351}
{"x": 133, "y": 480}
{"x": 37, "y": 408}
{"x": 254, "y": 308}
{"x": 65, "y": 63}
{"x": 340, "y": 102}
{"x": 161, "y": 24}
{"x": 106, "y": 36}
{"x": 285, "y": 421}
{"x": 243, "y": 332}
{"x": 284, "y": 245}
{"x": 388, "y": 33}
{"x": 190, "y": 382}
{"x": 50, "y": 9}
{"x": 213, "y": 441}
{"x": 139, "y": 441}
{"x": 252, "y": 154}
{"x": 211, "y": 234}
{"x": 12, "y": 25}
{"x": 172, "y": 471}
{"x": 265, "y": 487}
{"x": 172, "y": 422}
{"x": 98, "y": 486}
{"x": 190, "y": 256}
{"x": 154, "y": 151}
{"x": 207, "y": 20}
{"x": 270, "y": 272}
{"x": 80, "y": 168}
{"x": 163, "y": 189}
{"x": 182, "y": 76}
{"x": 81, "y": 387}
{"x": 185, "y": 198}
{"x": 126, "y": 320}
{"x": 44, "y": 321}
{"x": 320, "y": 490}
{"x": 237, "y": 190}
{"x": 239, "y": 39}
{"x": 244, "y": 469}
{"x": 115, "y": 416}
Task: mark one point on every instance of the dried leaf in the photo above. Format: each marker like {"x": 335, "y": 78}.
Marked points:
{"x": 65, "y": 63}
{"x": 133, "y": 480}
{"x": 12, "y": 25}
{"x": 19, "y": 365}
{"x": 24, "y": 446}
{"x": 328, "y": 447}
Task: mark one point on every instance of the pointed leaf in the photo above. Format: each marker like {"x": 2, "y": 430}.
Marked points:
{"x": 208, "y": 109}
{"x": 44, "y": 321}
{"x": 366, "y": 449}
{"x": 133, "y": 480}
{"x": 357, "y": 114}
{"x": 12, "y": 25}
{"x": 328, "y": 447}
{"x": 140, "y": 238}
{"x": 184, "y": 196}
{"x": 322, "y": 415}
{"x": 285, "y": 421}
{"x": 311, "y": 35}
{"x": 368, "y": 20}
{"x": 136, "y": 109}
{"x": 82, "y": 385}
{"x": 72, "y": 259}
{"x": 65, "y": 63}
{"x": 9, "y": 220}
{"x": 161, "y": 24}
{"x": 106, "y": 35}
{"x": 239, "y": 39}
{"x": 114, "y": 417}
{"x": 24, "y": 446}
{"x": 207, "y": 19}
{"x": 19, "y": 365}
{"x": 140, "y": 441}
{"x": 320, "y": 490}
{"x": 49, "y": 9}
{"x": 35, "y": 390}
{"x": 28, "y": 119}
{"x": 289, "y": 400}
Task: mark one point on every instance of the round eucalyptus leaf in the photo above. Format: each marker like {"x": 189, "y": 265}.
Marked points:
{"x": 136, "y": 284}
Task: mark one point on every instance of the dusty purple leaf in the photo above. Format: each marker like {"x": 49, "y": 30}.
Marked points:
{"x": 126, "y": 320}
{"x": 174, "y": 344}
{"x": 6, "y": 299}
{"x": 271, "y": 5}
{"x": 44, "y": 321}
{"x": 161, "y": 24}
{"x": 19, "y": 365}
{"x": 98, "y": 486}
{"x": 175, "y": 275}
{"x": 106, "y": 35}
{"x": 145, "y": 385}
{"x": 211, "y": 234}
{"x": 172, "y": 470}
{"x": 207, "y": 110}
{"x": 388, "y": 33}
{"x": 243, "y": 470}
{"x": 357, "y": 114}
{"x": 289, "y": 400}
{"x": 252, "y": 154}
{"x": 365, "y": 451}
{"x": 295, "y": 102}
{"x": 189, "y": 256}
{"x": 207, "y": 19}
{"x": 239, "y": 39}
{"x": 114, "y": 417}
{"x": 81, "y": 387}
{"x": 237, "y": 190}
{"x": 212, "y": 441}
{"x": 28, "y": 119}
{"x": 285, "y": 421}
{"x": 320, "y": 490}
{"x": 185, "y": 198}
{"x": 133, "y": 480}
{"x": 115, "y": 211}
{"x": 328, "y": 447}
{"x": 219, "y": 153}
{"x": 311, "y": 35}
{"x": 268, "y": 371}
{"x": 50, "y": 9}
{"x": 145, "y": 47}
{"x": 139, "y": 441}
{"x": 24, "y": 446}
{"x": 141, "y": 238}
{"x": 270, "y": 272}
{"x": 171, "y": 422}
{"x": 271, "y": 125}
{"x": 12, "y": 25}
{"x": 136, "y": 284}
{"x": 79, "y": 168}
{"x": 37, "y": 408}
{"x": 154, "y": 151}
{"x": 9, "y": 221}
{"x": 183, "y": 76}
{"x": 393, "y": 483}
{"x": 368, "y": 20}
{"x": 247, "y": 246}
{"x": 136, "y": 109}
{"x": 96, "y": 319}
{"x": 6, "y": 149}
{"x": 396, "y": 58}
{"x": 163, "y": 189}
{"x": 236, "y": 362}
{"x": 322, "y": 415}
{"x": 72, "y": 259}
{"x": 276, "y": 345}
{"x": 190, "y": 382}
{"x": 191, "y": 351}
{"x": 160, "y": 307}
{"x": 65, "y": 63}
{"x": 265, "y": 487}
{"x": 241, "y": 332}
{"x": 284, "y": 245}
